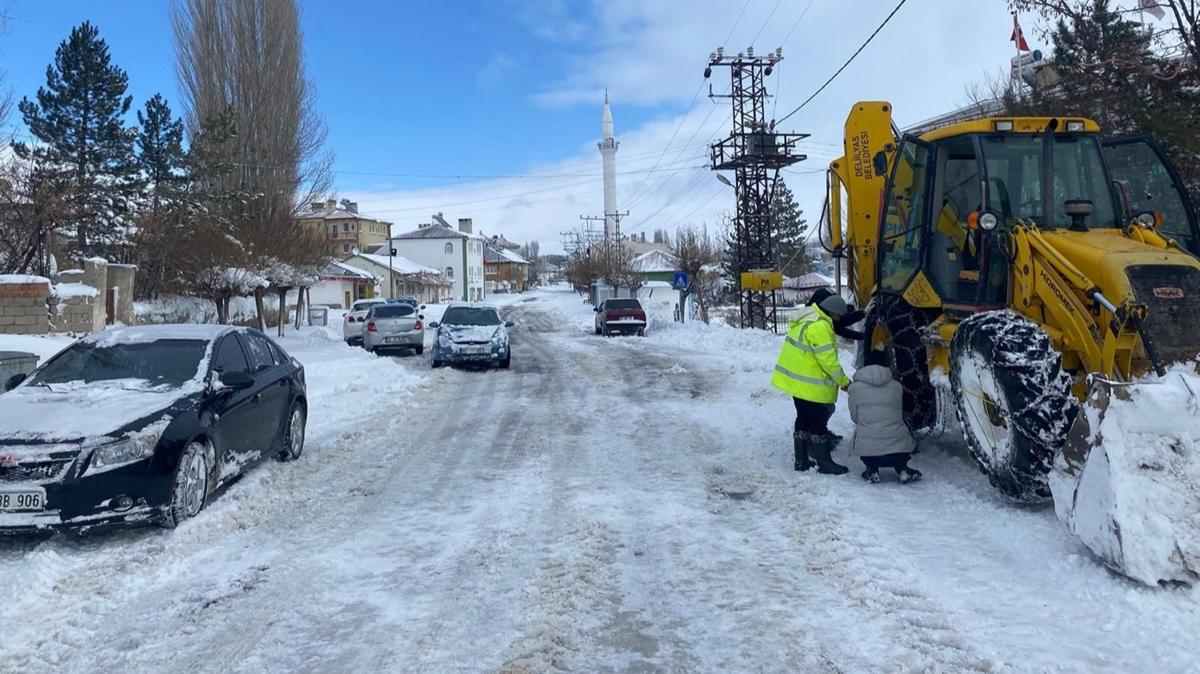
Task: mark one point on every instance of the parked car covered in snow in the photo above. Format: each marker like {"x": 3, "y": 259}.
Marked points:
{"x": 620, "y": 315}
{"x": 392, "y": 326}
{"x": 471, "y": 334}
{"x": 142, "y": 424}
{"x": 352, "y": 325}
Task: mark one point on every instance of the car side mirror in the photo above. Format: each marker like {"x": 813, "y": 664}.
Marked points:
{"x": 15, "y": 381}
{"x": 433, "y": 324}
{"x": 421, "y": 316}
{"x": 422, "y": 307}
{"x": 236, "y": 380}
{"x": 509, "y": 324}
{"x": 596, "y": 309}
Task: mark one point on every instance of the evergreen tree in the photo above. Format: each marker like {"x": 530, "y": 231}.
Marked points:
{"x": 160, "y": 157}
{"x": 788, "y": 229}
{"x": 77, "y": 119}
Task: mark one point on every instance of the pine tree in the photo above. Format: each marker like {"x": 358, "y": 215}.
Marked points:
{"x": 77, "y": 119}
{"x": 160, "y": 157}
{"x": 788, "y": 229}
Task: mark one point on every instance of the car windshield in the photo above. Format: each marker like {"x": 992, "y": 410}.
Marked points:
{"x": 470, "y": 316}
{"x": 165, "y": 362}
{"x": 392, "y": 311}
{"x": 363, "y": 306}
{"x": 1014, "y": 177}
{"x": 623, "y": 304}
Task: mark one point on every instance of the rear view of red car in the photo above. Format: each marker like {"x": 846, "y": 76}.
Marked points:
{"x": 620, "y": 316}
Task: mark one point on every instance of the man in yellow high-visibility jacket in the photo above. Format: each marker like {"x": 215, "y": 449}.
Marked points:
{"x": 809, "y": 371}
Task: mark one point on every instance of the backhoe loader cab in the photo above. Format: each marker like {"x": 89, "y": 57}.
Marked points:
{"x": 1025, "y": 266}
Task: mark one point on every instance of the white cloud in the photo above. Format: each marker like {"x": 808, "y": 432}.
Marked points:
{"x": 652, "y": 53}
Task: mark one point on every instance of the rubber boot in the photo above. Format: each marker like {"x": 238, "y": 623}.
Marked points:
{"x": 800, "y": 443}
{"x": 819, "y": 448}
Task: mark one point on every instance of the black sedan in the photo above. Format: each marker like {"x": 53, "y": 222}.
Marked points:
{"x": 142, "y": 424}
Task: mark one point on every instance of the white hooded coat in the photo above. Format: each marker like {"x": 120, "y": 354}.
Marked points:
{"x": 877, "y": 410}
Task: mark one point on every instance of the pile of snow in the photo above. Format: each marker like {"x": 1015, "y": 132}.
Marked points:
{"x": 1133, "y": 499}
{"x": 69, "y": 290}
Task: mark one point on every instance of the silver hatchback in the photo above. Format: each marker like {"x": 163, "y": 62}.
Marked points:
{"x": 393, "y": 326}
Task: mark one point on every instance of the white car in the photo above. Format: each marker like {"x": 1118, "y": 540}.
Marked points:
{"x": 352, "y": 326}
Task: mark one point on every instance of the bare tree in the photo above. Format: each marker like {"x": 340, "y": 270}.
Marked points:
{"x": 699, "y": 257}
{"x": 246, "y": 57}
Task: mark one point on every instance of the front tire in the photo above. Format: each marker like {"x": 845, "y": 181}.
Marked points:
{"x": 507, "y": 361}
{"x": 1013, "y": 400}
{"x": 189, "y": 486}
{"x": 293, "y": 434}
{"x": 420, "y": 349}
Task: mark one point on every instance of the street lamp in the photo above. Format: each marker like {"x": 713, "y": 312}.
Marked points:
{"x": 722, "y": 178}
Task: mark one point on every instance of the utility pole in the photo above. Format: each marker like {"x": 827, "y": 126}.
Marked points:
{"x": 391, "y": 254}
{"x": 755, "y": 153}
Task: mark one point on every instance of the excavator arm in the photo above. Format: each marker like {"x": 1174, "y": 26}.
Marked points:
{"x": 1047, "y": 288}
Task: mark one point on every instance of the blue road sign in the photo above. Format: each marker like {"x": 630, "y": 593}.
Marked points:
{"x": 680, "y": 281}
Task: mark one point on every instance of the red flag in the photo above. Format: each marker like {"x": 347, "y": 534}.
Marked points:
{"x": 1018, "y": 36}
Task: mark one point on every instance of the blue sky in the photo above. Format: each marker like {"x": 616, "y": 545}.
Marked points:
{"x": 411, "y": 87}
{"x": 501, "y": 87}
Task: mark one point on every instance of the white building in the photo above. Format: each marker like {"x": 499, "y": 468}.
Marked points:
{"x": 457, "y": 253}
{"x": 340, "y": 284}
{"x": 408, "y": 278}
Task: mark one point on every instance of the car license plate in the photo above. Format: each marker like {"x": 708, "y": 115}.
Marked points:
{"x": 392, "y": 340}
{"x": 22, "y": 501}
{"x": 475, "y": 350}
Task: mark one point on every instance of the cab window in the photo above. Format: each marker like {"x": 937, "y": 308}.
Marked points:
{"x": 900, "y": 243}
{"x": 1151, "y": 189}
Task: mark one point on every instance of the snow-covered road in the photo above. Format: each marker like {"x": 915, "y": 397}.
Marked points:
{"x": 607, "y": 505}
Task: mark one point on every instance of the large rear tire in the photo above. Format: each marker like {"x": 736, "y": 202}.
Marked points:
{"x": 1013, "y": 400}
{"x": 900, "y": 325}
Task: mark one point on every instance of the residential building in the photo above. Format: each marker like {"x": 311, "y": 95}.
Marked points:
{"x": 340, "y": 284}
{"x": 408, "y": 278}
{"x": 656, "y": 265}
{"x": 504, "y": 270}
{"x": 457, "y": 253}
{"x": 347, "y": 230}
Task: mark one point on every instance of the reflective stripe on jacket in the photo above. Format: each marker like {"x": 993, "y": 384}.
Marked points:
{"x": 808, "y": 366}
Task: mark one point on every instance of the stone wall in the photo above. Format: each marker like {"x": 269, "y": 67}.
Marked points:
{"x": 79, "y": 308}
{"x": 23, "y": 308}
{"x": 120, "y": 280}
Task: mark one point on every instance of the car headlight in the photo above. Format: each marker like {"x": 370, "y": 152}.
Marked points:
{"x": 498, "y": 340}
{"x": 122, "y": 452}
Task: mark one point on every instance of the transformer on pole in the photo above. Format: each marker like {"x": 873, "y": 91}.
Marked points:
{"x": 755, "y": 153}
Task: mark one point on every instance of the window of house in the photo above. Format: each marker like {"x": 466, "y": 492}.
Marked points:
{"x": 345, "y": 248}
{"x": 335, "y": 230}
{"x": 345, "y": 226}
{"x": 449, "y": 271}
{"x": 449, "y": 248}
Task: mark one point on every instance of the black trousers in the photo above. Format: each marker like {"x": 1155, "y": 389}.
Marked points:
{"x": 812, "y": 418}
{"x": 898, "y": 460}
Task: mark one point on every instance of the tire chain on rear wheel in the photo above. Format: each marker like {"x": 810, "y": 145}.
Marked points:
{"x": 1036, "y": 391}
{"x": 910, "y": 362}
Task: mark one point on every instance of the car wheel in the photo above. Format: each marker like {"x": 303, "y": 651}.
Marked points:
{"x": 420, "y": 350}
{"x": 597, "y": 331}
{"x": 435, "y": 363}
{"x": 507, "y": 361}
{"x": 189, "y": 487}
{"x": 641, "y": 332}
{"x": 293, "y": 438}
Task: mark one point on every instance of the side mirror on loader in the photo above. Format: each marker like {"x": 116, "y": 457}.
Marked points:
{"x": 879, "y": 163}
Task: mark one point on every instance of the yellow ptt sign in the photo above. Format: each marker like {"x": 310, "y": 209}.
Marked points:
{"x": 762, "y": 280}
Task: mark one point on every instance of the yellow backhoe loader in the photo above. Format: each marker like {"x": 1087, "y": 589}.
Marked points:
{"x": 1044, "y": 281}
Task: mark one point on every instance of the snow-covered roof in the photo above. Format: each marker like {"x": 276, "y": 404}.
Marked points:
{"x": 810, "y": 280}
{"x": 655, "y": 261}
{"x": 435, "y": 231}
{"x": 494, "y": 254}
{"x": 336, "y": 268}
{"x": 398, "y": 263}
{"x": 133, "y": 334}
{"x": 338, "y": 213}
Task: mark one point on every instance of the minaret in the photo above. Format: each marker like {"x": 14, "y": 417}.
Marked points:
{"x": 608, "y": 150}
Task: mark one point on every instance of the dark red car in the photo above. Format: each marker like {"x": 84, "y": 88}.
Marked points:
{"x": 622, "y": 316}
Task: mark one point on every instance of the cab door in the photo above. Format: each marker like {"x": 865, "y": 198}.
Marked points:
{"x": 1151, "y": 184}
{"x": 902, "y": 233}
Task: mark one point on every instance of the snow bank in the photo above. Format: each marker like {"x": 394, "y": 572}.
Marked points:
{"x": 1133, "y": 499}
{"x": 68, "y": 290}
{"x": 44, "y": 346}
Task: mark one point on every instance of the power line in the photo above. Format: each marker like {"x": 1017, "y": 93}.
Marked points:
{"x": 794, "y": 25}
{"x": 847, "y": 63}
{"x": 767, "y": 22}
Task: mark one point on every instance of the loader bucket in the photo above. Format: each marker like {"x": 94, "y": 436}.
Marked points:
{"x": 1127, "y": 483}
